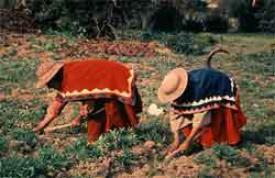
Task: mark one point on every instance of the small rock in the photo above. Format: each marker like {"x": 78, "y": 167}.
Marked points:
{"x": 16, "y": 144}
{"x": 26, "y": 148}
{"x": 138, "y": 150}
{"x": 2, "y": 96}
{"x": 255, "y": 105}
{"x": 146, "y": 168}
{"x": 107, "y": 162}
{"x": 149, "y": 144}
{"x": 51, "y": 174}
{"x": 61, "y": 174}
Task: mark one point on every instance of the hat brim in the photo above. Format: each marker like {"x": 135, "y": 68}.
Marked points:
{"x": 183, "y": 76}
{"x": 43, "y": 80}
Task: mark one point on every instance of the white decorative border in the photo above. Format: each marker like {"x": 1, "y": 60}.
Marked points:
{"x": 204, "y": 108}
{"x": 205, "y": 101}
{"x": 232, "y": 84}
{"x": 210, "y": 99}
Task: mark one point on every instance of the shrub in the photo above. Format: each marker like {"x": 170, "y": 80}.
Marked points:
{"x": 188, "y": 43}
{"x": 91, "y": 17}
{"x": 122, "y": 139}
{"x": 154, "y": 130}
{"x": 21, "y": 167}
{"x": 117, "y": 139}
{"x": 82, "y": 150}
{"x": 3, "y": 145}
{"x": 47, "y": 164}
{"x": 113, "y": 140}
{"x": 231, "y": 155}
{"x": 126, "y": 159}
{"x": 52, "y": 159}
{"x": 183, "y": 42}
{"x": 216, "y": 21}
{"x": 251, "y": 19}
{"x": 207, "y": 159}
{"x": 266, "y": 16}
{"x": 245, "y": 13}
{"x": 78, "y": 149}
{"x": 25, "y": 135}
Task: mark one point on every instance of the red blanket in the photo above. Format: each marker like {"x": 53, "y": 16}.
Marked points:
{"x": 225, "y": 126}
{"x": 88, "y": 79}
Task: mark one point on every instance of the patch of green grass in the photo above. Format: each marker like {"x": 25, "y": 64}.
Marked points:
{"x": 268, "y": 134}
{"x": 162, "y": 65}
{"x": 210, "y": 159}
{"x": 117, "y": 139}
{"x": 258, "y": 63}
{"x": 126, "y": 159}
{"x": 13, "y": 112}
{"x": 262, "y": 167}
{"x": 187, "y": 43}
{"x": 21, "y": 167}
{"x": 25, "y": 135}
{"x": 10, "y": 52}
{"x": 207, "y": 159}
{"x": 66, "y": 34}
{"x": 8, "y": 115}
{"x": 52, "y": 159}
{"x": 78, "y": 148}
{"x": 48, "y": 45}
{"x": 3, "y": 145}
{"x": 120, "y": 139}
{"x": 231, "y": 155}
{"x": 149, "y": 95}
{"x": 17, "y": 116}
{"x": 269, "y": 92}
{"x": 126, "y": 59}
{"x": 205, "y": 173}
{"x": 47, "y": 164}
{"x": 16, "y": 73}
{"x": 248, "y": 146}
{"x": 93, "y": 151}
{"x": 249, "y": 85}
{"x": 154, "y": 130}
{"x": 182, "y": 43}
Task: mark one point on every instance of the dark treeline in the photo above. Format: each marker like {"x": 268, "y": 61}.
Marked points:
{"x": 103, "y": 17}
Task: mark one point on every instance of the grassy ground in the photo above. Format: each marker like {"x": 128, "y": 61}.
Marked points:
{"x": 134, "y": 153}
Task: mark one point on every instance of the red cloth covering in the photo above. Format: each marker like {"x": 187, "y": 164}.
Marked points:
{"x": 225, "y": 126}
{"x": 116, "y": 115}
{"x": 90, "y": 79}
{"x": 107, "y": 84}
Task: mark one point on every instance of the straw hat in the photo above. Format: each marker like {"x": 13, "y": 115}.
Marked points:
{"x": 46, "y": 71}
{"x": 173, "y": 85}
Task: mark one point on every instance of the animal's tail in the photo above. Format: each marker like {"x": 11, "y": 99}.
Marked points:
{"x": 213, "y": 52}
